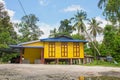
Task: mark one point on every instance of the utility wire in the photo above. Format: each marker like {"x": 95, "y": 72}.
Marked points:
{"x": 22, "y": 7}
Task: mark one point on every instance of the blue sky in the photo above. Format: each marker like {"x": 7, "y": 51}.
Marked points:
{"x": 51, "y": 12}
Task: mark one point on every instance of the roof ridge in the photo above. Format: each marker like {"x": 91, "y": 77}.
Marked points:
{"x": 64, "y": 36}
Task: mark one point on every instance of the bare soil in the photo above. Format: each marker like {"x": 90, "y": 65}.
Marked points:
{"x": 53, "y": 72}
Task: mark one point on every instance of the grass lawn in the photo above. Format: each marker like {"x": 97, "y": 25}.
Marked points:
{"x": 103, "y": 63}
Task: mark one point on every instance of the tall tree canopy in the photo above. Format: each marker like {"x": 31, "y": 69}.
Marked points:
{"x": 111, "y": 10}
{"x": 65, "y": 27}
{"x": 111, "y": 42}
{"x": 29, "y": 29}
{"x": 7, "y": 33}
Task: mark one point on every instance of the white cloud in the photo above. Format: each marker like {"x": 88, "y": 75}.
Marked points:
{"x": 46, "y": 29}
{"x": 43, "y": 2}
{"x": 99, "y": 38}
{"x": 104, "y": 22}
{"x": 2, "y": 1}
{"x": 10, "y": 12}
{"x": 16, "y": 21}
{"x": 73, "y": 8}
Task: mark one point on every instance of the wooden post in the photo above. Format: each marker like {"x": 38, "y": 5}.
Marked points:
{"x": 42, "y": 56}
{"x": 82, "y": 60}
{"x": 71, "y": 61}
{"x": 21, "y": 52}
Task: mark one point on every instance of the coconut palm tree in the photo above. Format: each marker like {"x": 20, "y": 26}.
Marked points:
{"x": 79, "y": 24}
{"x": 79, "y": 19}
{"x": 94, "y": 28}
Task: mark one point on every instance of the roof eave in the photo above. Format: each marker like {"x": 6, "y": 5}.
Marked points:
{"x": 29, "y": 42}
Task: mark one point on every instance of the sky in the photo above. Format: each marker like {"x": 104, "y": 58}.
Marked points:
{"x": 51, "y": 12}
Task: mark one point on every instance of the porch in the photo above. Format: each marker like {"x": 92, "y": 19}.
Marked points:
{"x": 30, "y": 54}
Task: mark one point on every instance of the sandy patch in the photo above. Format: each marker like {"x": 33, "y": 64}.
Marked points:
{"x": 53, "y": 72}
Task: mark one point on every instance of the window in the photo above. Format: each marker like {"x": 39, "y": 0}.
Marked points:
{"x": 64, "y": 49}
{"x": 76, "y": 50}
{"x": 51, "y": 49}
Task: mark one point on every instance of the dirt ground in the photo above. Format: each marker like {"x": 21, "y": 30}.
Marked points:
{"x": 53, "y": 72}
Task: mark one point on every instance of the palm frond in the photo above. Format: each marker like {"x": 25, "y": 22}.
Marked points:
{"x": 102, "y": 3}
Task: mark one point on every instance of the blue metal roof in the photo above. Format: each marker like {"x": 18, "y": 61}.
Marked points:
{"x": 62, "y": 39}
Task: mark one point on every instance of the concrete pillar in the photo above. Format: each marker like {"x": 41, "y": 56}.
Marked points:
{"x": 71, "y": 61}
{"x": 79, "y": 61}
{"x": 57, "y": 61}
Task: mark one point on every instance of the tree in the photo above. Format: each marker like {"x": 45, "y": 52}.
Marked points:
{"x": 94, "y": 28}
{"x": 53, "y": 33}
{"x": 92, "y": 49}
{"x": 7, "y": 33}
{"x": 109, "y": 32}
{"x": 79, "y": 21}
{"x": 116, "y": 48}
{"x": 29, "y": 28}
{"x": 111, "y": 10}
{"x": 111, "y": 42}
{"x": 65, "y": 27}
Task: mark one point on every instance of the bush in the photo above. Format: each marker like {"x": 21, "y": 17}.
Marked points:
{"x": 8, "y": 57}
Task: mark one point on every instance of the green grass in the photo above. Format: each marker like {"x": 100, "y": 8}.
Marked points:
{"x": 103, "y": 63}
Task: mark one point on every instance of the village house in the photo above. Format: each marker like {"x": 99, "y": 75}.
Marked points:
{"x": 56, "y": 49}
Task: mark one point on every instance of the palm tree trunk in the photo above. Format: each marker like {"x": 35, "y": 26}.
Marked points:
{"x": 92, "y": 42}
{"x": 119, "y": 28}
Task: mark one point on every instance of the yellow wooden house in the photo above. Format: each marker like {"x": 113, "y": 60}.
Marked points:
{"x": 51, "y": 49}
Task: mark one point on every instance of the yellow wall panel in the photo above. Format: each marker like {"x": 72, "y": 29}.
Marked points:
{"x": 58, "y": 49}
{"x": 70, "y": 49}
{"x": 81, "y": 50}
{"x": 46, "y": 50}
